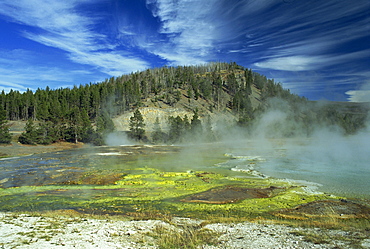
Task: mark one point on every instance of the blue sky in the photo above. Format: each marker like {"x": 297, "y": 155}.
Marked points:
{"x": 318, "y": 49}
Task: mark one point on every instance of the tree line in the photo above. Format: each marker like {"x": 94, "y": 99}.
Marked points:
{"x": 84, "y": 113}
{"x": 120, "y": 94}
{"x": 181, "y": 129}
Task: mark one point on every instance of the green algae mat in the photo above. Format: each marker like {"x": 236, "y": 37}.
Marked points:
{"x": 146, "y": 182}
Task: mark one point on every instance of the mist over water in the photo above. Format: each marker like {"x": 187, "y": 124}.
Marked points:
{"x": 117, "y": 139}
{"x": 339, "y": 163}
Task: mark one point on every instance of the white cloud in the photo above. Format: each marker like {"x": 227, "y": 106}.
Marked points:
{"x": 358, "y": 95}
{"x": 307, "y": 62}
{"x": 106, "y": 60}
{"x": 294, "y": 39}
{"x": 290, "y": 63}
{"x": 308, "y": 36}
{"x": 361, "y": 95}
{"x": 19, "y": 71}
{"x": 190, "y": 27}
{"x": 63, "y": 27}
{"x": 7, "y": 86}
{"x": 196, "y": 31}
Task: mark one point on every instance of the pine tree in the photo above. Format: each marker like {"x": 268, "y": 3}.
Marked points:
{"x": 74, "y": 129}
{"x": 137, "y": 125}
{"x": 5, "y": 136}
{"x": 177, "y": 127}
{"x": 196, "y": 124}
{"x": 30, "y": 134}
{"x": 186, "y": 123}
{"x": 244, "y": 119}
{"x": 248, "y": 81}
{"x": 47, "y": 133}
{"x": 158, "y": 135}
{"x": 104, "y": 123}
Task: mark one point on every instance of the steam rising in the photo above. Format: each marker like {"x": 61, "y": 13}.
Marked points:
{"x": 292, "y": 149}
{"x": 326, "y": 155}
{"x": 361, "y": 95}
{"x": 117, "y": 139}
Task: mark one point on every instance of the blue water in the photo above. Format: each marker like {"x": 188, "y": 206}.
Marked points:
{"x": 350, "y": 179}
{"x": 340, "y": 166}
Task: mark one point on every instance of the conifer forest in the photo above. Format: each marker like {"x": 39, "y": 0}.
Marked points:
{"x": 84, "y": 113}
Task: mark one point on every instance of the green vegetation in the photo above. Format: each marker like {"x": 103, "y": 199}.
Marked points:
{"x": 134, "y": 187}
{"x": 153, "y": 194}
{"x": 137, "y": 125}
{"x": 158, "y": 136}
{"x": 325, "y": 237}
{"x": 150, "y": 193}
{"x": 186, "y": 237}
{"x": 158, "y": 182}
{"x": 5, "y": 136}
{"x": 84, "y": 113}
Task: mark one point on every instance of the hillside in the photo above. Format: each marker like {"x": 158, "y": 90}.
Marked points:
{"x": 171, "y": 100}
{"x": 184, "y": 106}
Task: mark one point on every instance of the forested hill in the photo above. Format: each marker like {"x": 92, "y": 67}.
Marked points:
{"x": 223, "y": 85}
{"x": 85, "y": 112}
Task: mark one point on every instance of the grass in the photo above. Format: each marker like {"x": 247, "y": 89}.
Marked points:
{"x": 319, "y": 230}
{"x": 186, "y": 237}
{"x": 172, "y": 234}
{"x": 316, "y": 238}
{"x": 166, "y": 236}
{"x": 325, "y": 221}
{"x": 325, "y": 237}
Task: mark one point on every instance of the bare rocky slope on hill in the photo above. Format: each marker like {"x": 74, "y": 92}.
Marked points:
{"x": 151, "y": 110}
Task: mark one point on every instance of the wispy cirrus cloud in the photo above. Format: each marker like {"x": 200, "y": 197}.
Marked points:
{"x": 19, "y": 72}
{"x": 314, "y": 62}
{"x": 194, "y": 31}
{"x": 289, "y": 63}
{"x": 188, "y": 30}
{"x": 315, "y": 35}
{"x": 61, "y": 24}
{"x": 316, "y": 48}
{"x": 8, "y": 86}
{"x": 307, "y": 45}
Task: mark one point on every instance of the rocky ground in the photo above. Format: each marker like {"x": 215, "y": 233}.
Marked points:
{"x": 35, "y": 231}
